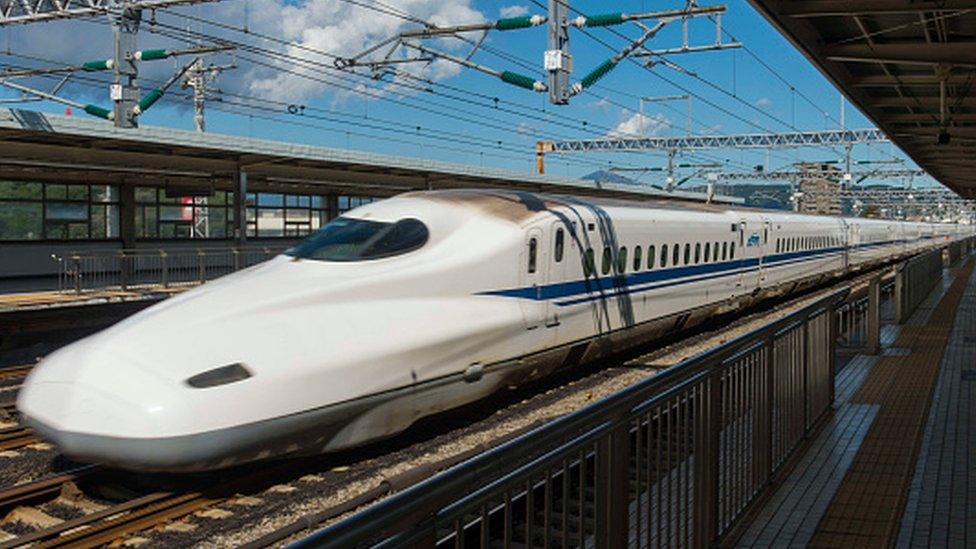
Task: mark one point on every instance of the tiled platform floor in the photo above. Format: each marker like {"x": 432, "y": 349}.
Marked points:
{"x": 861, "y": 474}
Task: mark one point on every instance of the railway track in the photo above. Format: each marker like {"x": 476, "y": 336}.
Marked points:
{"x": 15, "y": 373}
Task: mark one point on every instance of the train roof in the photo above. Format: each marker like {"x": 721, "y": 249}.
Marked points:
{"x": 520, "y": 205}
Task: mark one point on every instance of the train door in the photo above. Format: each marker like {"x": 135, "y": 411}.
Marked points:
{"x": 764, "y": 249}
{"x": 740, "y": 251}
{"x": 561, "y": 244}
{"x": 534, "y": 269}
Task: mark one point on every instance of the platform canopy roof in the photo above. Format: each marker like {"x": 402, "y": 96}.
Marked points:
{"x": 46, "y": 147}
{"x": 909, "y": 65}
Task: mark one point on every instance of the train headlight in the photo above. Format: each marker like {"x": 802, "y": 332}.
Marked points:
{"x": 219, "y": 376}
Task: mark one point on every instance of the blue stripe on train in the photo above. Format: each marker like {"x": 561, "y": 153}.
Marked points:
{"x": 611, "y": 286}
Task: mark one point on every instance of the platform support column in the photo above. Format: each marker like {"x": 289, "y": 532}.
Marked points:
{"x": 874, "y": 317}
{"x": 127, "y": 215}
{"x": 332, "y": 205}
{"x": 240, "y": 207}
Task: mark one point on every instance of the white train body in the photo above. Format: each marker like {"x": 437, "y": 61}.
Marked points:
{"x": 304, "y": 354}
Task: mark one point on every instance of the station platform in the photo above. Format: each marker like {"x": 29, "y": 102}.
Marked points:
{"x": 895, "y": 463}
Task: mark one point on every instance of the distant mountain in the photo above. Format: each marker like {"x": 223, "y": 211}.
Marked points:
{"x": 610, "y": 177}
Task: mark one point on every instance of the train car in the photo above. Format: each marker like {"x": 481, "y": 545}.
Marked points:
{"x": 418, "y": 304}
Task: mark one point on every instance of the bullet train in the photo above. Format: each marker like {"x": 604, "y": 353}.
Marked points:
{"x": 418, "y": 304}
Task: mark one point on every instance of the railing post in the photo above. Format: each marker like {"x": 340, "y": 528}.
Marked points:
{"x": 707, "y": 461}
{"x": 237, "y": 259}
{"x": 900, "y": 297}
{"x": 76, "y": 260}
{"x": 770, "y": 352}
{"x": 203, "y": 269}
{"x": 805, "y": 374}
{"x": 618, "y": 512}
{"x": 123, "y": 272}
{"x": 165, "y": 267}
{"x": 874, "y": 316}
{"x": 833, "y": 335}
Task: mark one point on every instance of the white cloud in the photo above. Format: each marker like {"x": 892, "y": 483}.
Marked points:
{"x": 311, "y": 26}
{"x": 346, "y": 29}
{"x": 764, "y": 102}
{"x": 603, "y": 103}
{"x": 636, "y": 125}
{"x": 513, "y": 11}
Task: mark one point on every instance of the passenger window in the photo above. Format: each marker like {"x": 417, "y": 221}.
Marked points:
{"x": 777, "y": 245}
{"x": 589, "y": 267}
{"x": 622, "y": 260}
{"x": 560, "y": 242}
{"x": 708, "y": 250}
{"x": 650, "y": 256}
{"x": 687, "y": 254}
{"x": 697, "y": 252}
{"x": 605, "y": 268}
{"x": 732, "y": 251}
{"x": 533, "y": 245}
{"x": 638, "y": 256}
{"x": 725, "y": 249}
{"x": 675, "y": 255}
{"x": 664, "y": 255}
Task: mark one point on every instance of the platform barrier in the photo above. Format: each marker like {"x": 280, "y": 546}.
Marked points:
{"x": 914, "y": 280}
{"x": 677, "y": 459}
{"x": 128, "y": 270}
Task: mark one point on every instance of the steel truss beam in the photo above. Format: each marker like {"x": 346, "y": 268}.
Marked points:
{"x": 734, "y": 141}
{"x": 34, "y": 11}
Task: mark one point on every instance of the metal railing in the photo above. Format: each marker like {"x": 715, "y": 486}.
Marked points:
{"x": 677, "y": 459}
{"x": 914, "y": 281}
{"x": 153, "y": 269}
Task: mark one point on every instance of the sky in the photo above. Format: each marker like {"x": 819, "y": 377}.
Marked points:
{"x": 285, "y": 84}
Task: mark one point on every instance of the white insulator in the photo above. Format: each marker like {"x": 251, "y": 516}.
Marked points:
{"x": 537, "y": 19}
{"x": 579, "y": 22}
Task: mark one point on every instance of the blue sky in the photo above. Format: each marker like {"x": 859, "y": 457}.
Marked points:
{"x": 459, "y": 119}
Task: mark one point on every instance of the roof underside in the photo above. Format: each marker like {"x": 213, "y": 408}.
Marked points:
{"x": 44, "y": 147}
{"x": 909, "y": 65}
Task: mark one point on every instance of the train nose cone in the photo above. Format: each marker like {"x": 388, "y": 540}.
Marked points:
{"x": 96, "y": 409}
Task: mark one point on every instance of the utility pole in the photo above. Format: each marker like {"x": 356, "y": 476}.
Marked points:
{"x": 557, "y": 60}
{"x": 125, "y": 87}
{"x": 195, "y": 80}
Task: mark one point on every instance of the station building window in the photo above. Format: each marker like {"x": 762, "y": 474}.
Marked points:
{"x": 271, "y": 215}
{"x": 162, "y": 214}
{"x": 347, "y": 203}
{"x": 54, "y": 211}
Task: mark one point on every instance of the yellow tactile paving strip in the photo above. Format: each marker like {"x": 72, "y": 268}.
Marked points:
{"x": 868, "y": 505}
{"x": 45, "y": 299}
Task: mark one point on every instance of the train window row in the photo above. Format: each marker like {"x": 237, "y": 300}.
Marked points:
{"x": 797, "y": 243}
{"x": 708, "y": 252}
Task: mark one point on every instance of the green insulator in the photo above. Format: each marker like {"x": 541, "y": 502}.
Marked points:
{"x": 604, "y": 19}
{"x": 519, "y": 80}
{"x": 512, "y": 23}
{"x": 150, "y": 98}
{"x": 152, "y": 55}
{"x": 100, "y": 65}
{"x": 597, "y": 73}
{"x": 95, "y": 110}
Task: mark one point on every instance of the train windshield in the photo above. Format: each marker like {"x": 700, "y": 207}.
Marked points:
{"x": 348, "y": 239}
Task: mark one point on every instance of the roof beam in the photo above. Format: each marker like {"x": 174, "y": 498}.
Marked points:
{"x": 921, "y": 53}
{"x": 884, "y": 81}
{"x": 839, "y": 8}
{"x": 922, "y": 101}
